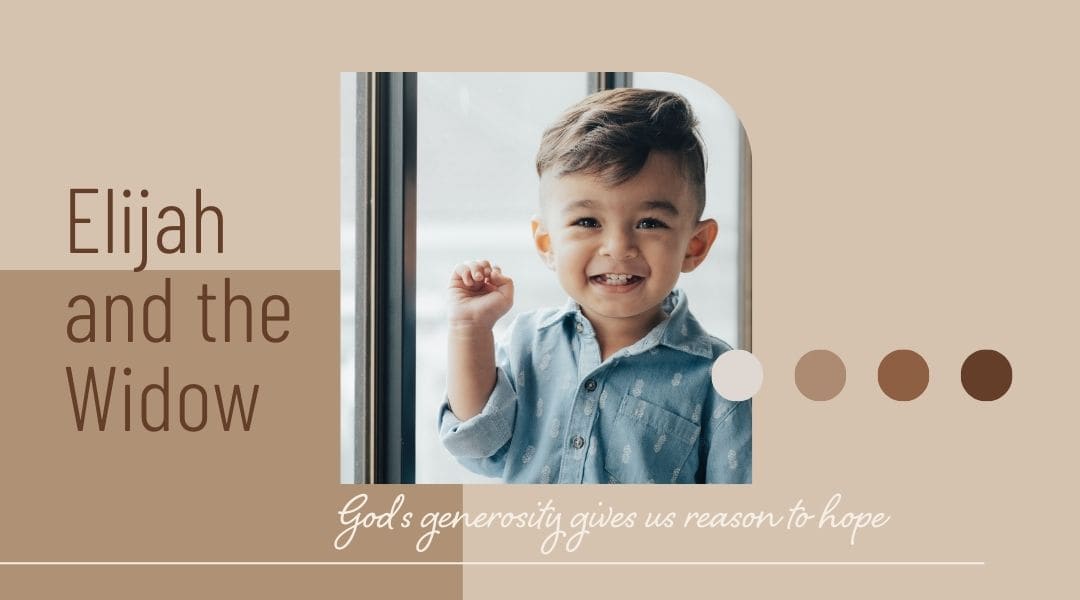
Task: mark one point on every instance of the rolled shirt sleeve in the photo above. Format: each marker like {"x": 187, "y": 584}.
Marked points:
{"x": 481, "y": 442}
{"x": 484, "y": 434}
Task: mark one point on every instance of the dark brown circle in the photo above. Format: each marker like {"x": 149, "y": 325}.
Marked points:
{"x": 903, "y": 375}
{"x": 986, "y": 375}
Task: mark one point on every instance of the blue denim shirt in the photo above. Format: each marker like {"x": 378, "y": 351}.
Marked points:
{"x": 647, "y": 414}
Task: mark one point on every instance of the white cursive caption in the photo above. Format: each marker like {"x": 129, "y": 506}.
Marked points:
{"x": 549, "y": 521}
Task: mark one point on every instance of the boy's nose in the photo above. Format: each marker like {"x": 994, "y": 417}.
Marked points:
{"x": 619, "y": 245}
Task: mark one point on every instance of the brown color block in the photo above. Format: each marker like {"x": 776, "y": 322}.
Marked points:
{"x": 903, "y": 375}
{"x": 986, "y": 375}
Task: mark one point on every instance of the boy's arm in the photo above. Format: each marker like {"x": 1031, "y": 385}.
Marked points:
{"x": 728, "y": 436}
{"x": 475, "y": 421}
{"x": 479, "y": 295}
{"x": 471, "y": 374}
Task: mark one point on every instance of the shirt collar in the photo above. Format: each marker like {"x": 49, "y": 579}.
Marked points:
{"x": 680, "y": 330}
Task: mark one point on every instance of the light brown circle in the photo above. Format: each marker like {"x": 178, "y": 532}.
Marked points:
{"x": 903, "y": 375}
{"x": 820, "y": 375}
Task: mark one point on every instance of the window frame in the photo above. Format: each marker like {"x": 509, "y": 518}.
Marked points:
{"x": 384, "y": 333}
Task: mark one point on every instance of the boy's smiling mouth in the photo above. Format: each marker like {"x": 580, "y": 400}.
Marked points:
{"x": 616, "y": 282}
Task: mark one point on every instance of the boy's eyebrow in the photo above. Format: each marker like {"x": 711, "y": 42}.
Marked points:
{"x": 586, "y": 203}
{"x": 662, "y": 206}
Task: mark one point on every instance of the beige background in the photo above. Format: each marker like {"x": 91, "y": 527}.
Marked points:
{"x": 913, "y": 187}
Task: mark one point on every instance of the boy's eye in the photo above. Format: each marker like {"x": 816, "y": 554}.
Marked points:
{"x": 586, "y": 222}
{"x": 651, "y": 224}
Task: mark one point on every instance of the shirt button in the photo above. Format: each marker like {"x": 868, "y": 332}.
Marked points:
{"x": 577, "y": 442}
{"x": 590, "y": 385}
{"x": 580, "y": 328}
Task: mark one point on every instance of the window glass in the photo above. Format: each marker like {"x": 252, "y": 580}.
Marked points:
{"x": 348, "y": 276}
{"x": 713, "y": 288}
{"x": 477, "y": 136}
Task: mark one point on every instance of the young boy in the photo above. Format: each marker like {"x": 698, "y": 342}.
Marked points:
{"x": 615, "y": 386}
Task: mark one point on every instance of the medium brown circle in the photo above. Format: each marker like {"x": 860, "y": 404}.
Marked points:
{"x": 820, "y": 375}
{"x": 986, "y": 375}
{"x": 903, "y": 375}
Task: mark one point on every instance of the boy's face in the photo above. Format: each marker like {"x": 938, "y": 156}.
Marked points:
{"x": 618, "y": 251}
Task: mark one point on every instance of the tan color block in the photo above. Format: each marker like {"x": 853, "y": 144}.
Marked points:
{"x": 267, "y": 494}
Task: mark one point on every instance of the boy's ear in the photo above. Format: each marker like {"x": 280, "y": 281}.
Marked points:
{"x": 705, "y": 234}
{"x": 542, "y": 240}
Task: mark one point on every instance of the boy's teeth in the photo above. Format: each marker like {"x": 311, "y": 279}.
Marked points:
{"x": 619, "y": 279}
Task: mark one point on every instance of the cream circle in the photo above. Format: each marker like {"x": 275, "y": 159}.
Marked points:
{"x": 737, "y": 375}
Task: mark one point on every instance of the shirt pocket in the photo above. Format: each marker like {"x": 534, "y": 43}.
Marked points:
{"x": 648, "y": 443}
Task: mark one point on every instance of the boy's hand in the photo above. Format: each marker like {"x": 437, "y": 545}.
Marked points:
{"x": 479, "y": 294}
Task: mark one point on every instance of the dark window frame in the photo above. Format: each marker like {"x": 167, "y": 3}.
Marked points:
{"x": 385, "y": 358}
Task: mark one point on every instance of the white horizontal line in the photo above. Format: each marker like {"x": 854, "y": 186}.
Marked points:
{"x": 480, "y": 563}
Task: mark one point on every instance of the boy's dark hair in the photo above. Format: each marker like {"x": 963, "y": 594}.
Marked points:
{"x": 610, "y": 134}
